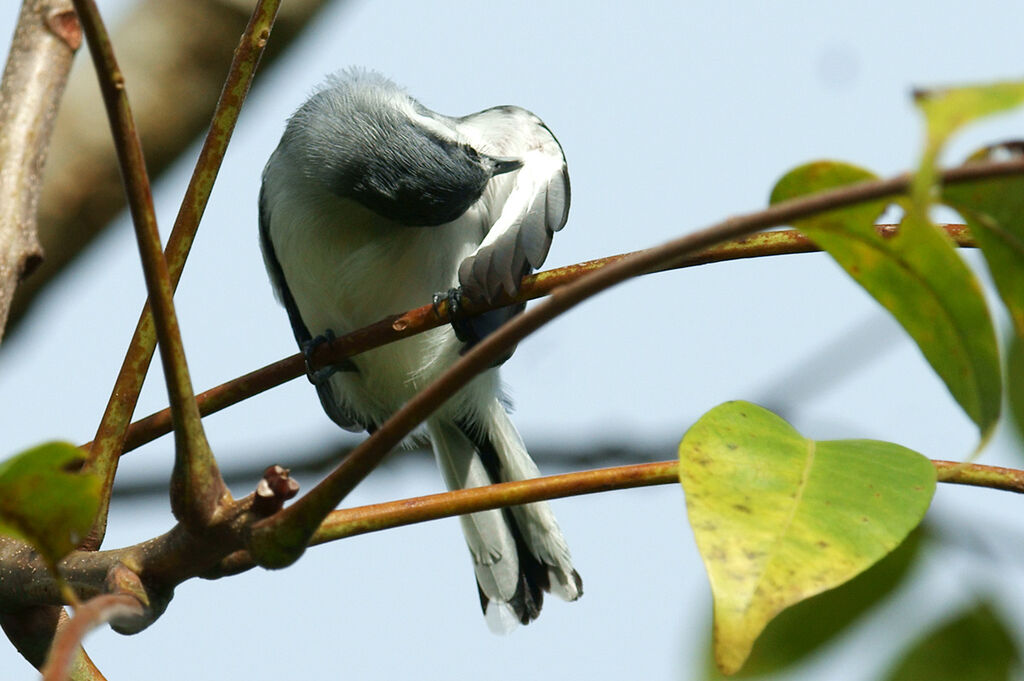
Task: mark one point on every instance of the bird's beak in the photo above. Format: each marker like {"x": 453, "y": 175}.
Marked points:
{"x": 505, "y": 165}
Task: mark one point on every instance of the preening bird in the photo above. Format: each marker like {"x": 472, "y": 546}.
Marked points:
{"x": 371, "y": 205}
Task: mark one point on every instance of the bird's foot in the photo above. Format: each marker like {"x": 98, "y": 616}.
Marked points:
{"x": 319, "y": 376}
{"x": 464, "y": 331}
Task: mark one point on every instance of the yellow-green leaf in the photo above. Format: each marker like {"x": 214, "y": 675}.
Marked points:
{"x": 779, "y": 518}
{"x": 976, "y": 645}
{"x": 994, "y": 210}
{"x": 801, "y": 630}
{"x": 947, "y": 110}
{"x": 916, "y": 275}
{"x": 46, "y": 500}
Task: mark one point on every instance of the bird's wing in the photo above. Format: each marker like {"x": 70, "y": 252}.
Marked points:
{"x": 277, "y": 279}
{"x": 331, "y": 404}
{"x": 527, "y": 206}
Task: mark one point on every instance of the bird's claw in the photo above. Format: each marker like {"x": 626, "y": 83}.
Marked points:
{"x": 463, "y": 330}
{"x": 318, "y": 376}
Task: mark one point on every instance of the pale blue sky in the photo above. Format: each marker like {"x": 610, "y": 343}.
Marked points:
{"x": 672, "y": 115}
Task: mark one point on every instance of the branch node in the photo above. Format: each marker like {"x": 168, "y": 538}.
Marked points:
{"x": 64, "y": 24}
{"x": 273, "y": 490}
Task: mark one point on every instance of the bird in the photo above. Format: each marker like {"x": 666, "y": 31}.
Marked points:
{"x": 373, "y": 204}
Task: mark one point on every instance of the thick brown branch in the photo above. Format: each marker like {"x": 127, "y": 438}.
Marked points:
{"x": 45, "y": 41}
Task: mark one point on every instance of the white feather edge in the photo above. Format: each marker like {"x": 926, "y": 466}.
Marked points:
{"x": 521, "y": 234}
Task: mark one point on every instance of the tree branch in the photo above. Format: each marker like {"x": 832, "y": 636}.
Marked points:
{"x": 396, "y": 327}
{"x": 32, "y": 631}
{"x": 197, "y": 490}
{"x": 280, "y": 540}
{"x": 182, "y": 553}
{"x": 45, "y": 41}
{"x": 358, "y": 520}
{"x": 109, "y": 442}
{"x": 174, "y": 54}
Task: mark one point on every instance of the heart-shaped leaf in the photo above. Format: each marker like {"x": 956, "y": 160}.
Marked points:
{"x": 46, "y": 500}
{"x": 779, "y": 518}
{"x": 801, "y": 630}
{"x": 916, "y": 275}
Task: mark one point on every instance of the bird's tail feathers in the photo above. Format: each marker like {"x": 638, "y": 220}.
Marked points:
{"x": 535, "y": 521}
{"x": 507, "y": 585}
{"x": 518, "y": 553}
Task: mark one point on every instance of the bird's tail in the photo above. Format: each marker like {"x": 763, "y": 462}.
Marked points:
{"x": 518, "y": 553}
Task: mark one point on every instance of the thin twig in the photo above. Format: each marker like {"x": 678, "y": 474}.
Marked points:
{"x": 89, "y": 615}
{"x": 396, "y": 327}
{"x": 197, "y": 489}
{"x": 358, "y": 520}
{"x": 977, "y": 475}
{"x": 108, "y": 444}
{"x": 45, "y": 40}
{"x": 281, "y": 539}
{"x": 362, "y": 519}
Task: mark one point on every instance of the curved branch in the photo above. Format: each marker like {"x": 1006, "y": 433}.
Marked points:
{"x": 281, "y": 539}
{"x": 396, "y": 327}
{"x": 45, "y": 41}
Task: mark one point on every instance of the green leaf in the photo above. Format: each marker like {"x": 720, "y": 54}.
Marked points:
{"x": 46, "y": 501}
{"x": 801, "y": 630}
{"x": 916, "y": 275}
{"x": 946, "y": 111}
{"x": 976, "y": 646}
{"x": 779, "y": 518}
{"x": 994, "y": 210}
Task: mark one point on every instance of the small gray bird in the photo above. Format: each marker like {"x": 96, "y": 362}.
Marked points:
{"x": 373, "y": 204}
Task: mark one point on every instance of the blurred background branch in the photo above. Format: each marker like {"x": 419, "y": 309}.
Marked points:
{"x": 34, "y": 77}
{"x": 174, "y": 56}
